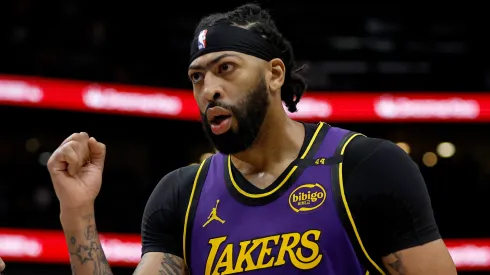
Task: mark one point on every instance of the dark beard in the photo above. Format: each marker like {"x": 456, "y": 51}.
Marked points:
{"x": 249, "y": 115}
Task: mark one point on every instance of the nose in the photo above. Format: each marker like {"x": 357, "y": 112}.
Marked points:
{"x": 212, "y": 88}
{"x": 212, "y": 94}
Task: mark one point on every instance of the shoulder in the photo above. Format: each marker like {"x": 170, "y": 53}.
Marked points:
{"x": 178, "y": 180}
{"x": 375, "y": 153}
{"x": 183, "y": 176}
{"x": 387, "y": 196}
{"x": 364, "y": 148}
{"x": 374, "y": 166}
{"x": 172, "y": 193}
{"x": 163, "y": 219}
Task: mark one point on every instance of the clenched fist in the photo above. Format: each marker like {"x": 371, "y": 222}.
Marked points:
{"x": 76, "y": 170}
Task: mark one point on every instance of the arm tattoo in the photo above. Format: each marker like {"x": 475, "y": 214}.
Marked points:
{"x": 395, "y": 263}
{"x": 88, "y": 251}
{"x": 172, "y": 265}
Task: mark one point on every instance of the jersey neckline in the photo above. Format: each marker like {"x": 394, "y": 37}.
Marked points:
{"x": 247, "y": 193}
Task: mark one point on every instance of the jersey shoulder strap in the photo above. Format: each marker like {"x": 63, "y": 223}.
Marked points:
{"x": 190, "y": 214}
{"x": 373, "y": 266}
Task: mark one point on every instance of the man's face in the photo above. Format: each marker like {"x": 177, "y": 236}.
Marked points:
{"x": 233, "y": 98}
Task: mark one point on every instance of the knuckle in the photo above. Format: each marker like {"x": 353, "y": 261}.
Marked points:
{"x": 68, "y": 150}
{"x": 81, "y": 137}
{"x": 71, "y": 145}
{"x": 68, "y": 139}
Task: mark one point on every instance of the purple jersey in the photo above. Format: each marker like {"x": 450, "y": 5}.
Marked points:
{"x": 299, "y": 232}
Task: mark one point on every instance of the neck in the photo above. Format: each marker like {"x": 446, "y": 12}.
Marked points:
{"x": 280, "y": 139}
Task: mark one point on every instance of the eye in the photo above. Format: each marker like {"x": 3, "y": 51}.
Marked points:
{"x": 226, "y": 67}
{"x": 195, "y": 77}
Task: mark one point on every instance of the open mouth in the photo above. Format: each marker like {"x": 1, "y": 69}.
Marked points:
{"x": 219, "y": 119}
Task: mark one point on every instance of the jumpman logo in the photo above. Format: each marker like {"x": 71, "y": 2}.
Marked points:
{"x": 214, "y": 216}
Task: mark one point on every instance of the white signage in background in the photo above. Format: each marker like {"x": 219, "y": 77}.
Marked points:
{"x": 111, "y": 99}
{"x": 116, "y": 250}
{"x": 19, "y": 246}
{"x": 309, "y": 107}
{"x": 391, "y": 107}
{"x": 19, "y": 91}
{"x": 470, "y": 255}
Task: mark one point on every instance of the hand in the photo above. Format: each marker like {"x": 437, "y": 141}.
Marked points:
{"x": 2, "y": 265}
{"x": 76, "y": 170}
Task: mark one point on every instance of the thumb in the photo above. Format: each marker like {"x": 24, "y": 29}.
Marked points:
{"x": 97, "y": 153}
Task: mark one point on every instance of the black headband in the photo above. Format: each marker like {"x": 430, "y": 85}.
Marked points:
{"x": 230, "y": 38}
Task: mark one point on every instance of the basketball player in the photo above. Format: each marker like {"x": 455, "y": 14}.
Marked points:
{"x": 280, "y": 197}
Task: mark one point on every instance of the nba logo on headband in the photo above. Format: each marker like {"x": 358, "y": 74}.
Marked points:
{"x": 232, "y": 38}
{"x": 201, "y": 40}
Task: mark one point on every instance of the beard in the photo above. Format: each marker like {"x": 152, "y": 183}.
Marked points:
{"x": 249, "y": 115}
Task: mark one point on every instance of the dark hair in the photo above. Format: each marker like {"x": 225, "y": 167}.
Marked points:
{"x": 258, "y": 20}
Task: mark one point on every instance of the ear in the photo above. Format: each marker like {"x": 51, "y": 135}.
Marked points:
{"x": 278, "y": 74}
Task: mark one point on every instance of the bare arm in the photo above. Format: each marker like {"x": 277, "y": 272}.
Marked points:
{"x": 432, "y": 258}
{"x": 76, "y": 172}
{"x": 161, "y": 264}
{"x": 86, "y": 253}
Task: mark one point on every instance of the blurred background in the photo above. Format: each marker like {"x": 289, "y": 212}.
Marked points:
{"x": 416, "y": 75}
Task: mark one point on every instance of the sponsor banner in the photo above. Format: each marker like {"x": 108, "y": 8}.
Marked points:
{"x": 179, "y": 104}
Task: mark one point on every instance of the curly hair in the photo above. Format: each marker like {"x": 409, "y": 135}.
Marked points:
{"x": 258, "y": 20}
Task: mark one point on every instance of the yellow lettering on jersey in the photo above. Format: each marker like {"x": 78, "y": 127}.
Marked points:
{"x": 294, "y": 244}
{"x": 319, "y": 161}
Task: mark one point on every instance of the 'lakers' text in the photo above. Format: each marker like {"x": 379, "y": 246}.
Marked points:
{"x": 299, "y": 250}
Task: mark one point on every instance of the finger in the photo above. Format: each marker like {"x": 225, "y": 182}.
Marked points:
{"x": 72, "y": 157}
{"x": 83, "y": 136}
{"x": 76, "y": 136}
{"x": 80, "y": 146}
{"x": 97, "y": 152}
{"x": 64, "y": 159}
{"x": 56, "y": 162}
{"x": 70, "y": 138}
{"x": 83, "y": 151}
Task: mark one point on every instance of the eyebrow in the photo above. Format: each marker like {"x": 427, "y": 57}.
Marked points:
{"x": 212, "y": 62}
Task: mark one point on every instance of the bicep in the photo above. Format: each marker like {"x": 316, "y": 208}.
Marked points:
{"x": 158, "y": 263}
{"x": 431, "y": 258}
